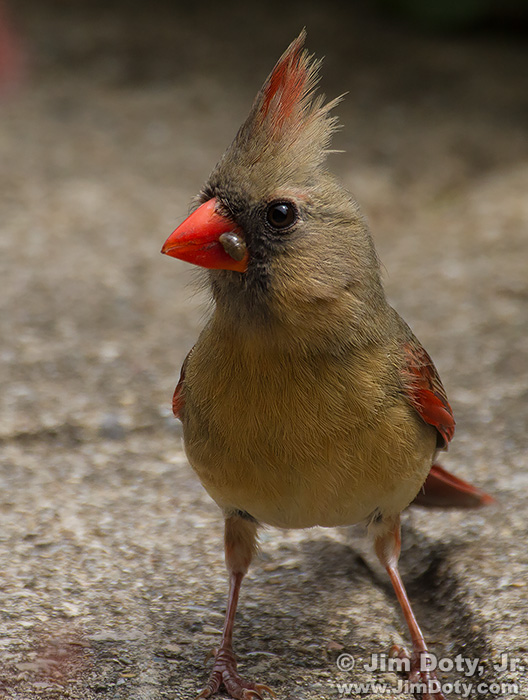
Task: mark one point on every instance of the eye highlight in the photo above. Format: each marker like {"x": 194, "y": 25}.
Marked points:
{"x": 281, "y": 215}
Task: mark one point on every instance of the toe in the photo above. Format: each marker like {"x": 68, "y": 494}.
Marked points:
{"x": 210, "y": 689}
{"x": 205, "y": 693}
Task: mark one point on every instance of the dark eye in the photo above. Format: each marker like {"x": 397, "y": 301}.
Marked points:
{"x": 281, "y": 215}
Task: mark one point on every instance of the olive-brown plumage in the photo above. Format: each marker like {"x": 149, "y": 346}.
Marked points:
{"x": 306, "y": 400}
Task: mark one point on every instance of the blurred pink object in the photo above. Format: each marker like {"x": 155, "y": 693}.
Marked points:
{"x": 11, "y": 53}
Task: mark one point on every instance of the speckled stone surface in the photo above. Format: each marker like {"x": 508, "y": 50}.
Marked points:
{"x": 111, "y": 569}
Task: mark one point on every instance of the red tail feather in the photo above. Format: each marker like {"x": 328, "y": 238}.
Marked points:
{"x": 444, "y": 490}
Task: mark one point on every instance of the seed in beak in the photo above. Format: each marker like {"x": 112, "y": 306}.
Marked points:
{"x": 233, "y": 245}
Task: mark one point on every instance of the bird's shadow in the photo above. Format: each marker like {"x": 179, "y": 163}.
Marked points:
{"x": 321, "y": 577}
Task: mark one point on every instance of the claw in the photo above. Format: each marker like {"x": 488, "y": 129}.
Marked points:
{"x": 398, "y": 652}
{"x": 210, "y": 655}
{"x": 256, "y": 692}
{"x": 210, "y": 689}
{"x": 416, "y": 675}
{"x": 250, "y": 694}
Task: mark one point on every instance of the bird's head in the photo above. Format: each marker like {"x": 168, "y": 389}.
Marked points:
{"x": 281, "y": 238}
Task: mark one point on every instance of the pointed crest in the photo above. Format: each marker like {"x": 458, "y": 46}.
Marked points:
{"x": 288, "y": 130}
{"x": 284, "y": 95}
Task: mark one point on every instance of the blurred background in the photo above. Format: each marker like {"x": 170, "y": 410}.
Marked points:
{"x": 112, "y": 114}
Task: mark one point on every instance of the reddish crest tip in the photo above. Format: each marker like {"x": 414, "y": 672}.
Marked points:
{"x": 290, "y": 81}
{"x": 288, "y": 129}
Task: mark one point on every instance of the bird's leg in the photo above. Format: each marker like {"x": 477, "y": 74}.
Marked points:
{"x": 387, "y": 546}
{"x": 240, "y": 542}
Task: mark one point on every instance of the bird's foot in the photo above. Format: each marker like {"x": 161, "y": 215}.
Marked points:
{"x": 422, "y": 681}
{"x": 225, "y": 674}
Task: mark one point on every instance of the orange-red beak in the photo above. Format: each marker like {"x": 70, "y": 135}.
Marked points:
{"x": 209, "y": 239}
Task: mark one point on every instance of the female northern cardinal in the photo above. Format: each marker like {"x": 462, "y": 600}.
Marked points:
{"x": 307, "y": 400}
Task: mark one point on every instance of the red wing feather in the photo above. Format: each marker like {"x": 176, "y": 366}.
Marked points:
{"x": 426, "y": 393}
{"x": 178, "y": 400}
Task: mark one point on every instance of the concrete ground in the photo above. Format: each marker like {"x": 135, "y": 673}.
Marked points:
{"x": 111, "y": 570}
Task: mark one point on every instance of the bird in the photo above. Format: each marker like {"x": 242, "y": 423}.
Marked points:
{"x": 306, "y": 400}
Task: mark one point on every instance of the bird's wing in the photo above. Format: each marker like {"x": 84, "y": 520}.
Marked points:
{"x": 178, "y": 401}
{"x": 425, "y": 392}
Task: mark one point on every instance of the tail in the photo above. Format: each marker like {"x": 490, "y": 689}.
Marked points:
{"x": 444, "y": 490}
